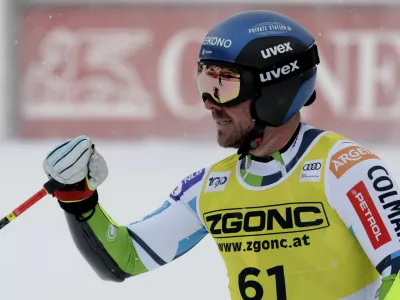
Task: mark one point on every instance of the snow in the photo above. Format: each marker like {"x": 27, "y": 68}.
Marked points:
{"x": 38, "y": 257}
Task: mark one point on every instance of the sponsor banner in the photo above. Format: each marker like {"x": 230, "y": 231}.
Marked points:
{"x": 130, "y": 73}
{"x": 347, "y": 158}
{"x": 186, "y": 184}
{"x": 217, "y": 181}
{"x": 369, "y": 215}
{"x": 388, "y": 194}
{"x": 266, "y": 220}
{"x": 311, "y": 171}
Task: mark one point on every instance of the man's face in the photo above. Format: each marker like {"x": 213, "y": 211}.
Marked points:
{"x": 233, "y": 123}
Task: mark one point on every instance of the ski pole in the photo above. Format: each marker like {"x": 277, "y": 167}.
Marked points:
{"x": 48, "y": 188}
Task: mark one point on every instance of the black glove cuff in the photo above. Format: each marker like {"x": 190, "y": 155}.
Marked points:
{"x": 79, "y": 208}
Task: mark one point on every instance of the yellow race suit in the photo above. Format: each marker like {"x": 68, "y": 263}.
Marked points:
{"x": 318, "y": 220}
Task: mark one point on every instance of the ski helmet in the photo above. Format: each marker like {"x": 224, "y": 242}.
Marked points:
{"x": 262, "y": 56}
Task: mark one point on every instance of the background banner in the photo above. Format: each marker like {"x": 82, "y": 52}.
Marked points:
{"x": 130, "y": 72}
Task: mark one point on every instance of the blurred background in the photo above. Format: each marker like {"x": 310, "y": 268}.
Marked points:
{"x": 123, "y": 72}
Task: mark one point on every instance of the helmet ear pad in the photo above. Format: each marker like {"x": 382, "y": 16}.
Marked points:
{"x": 275, "y": 101}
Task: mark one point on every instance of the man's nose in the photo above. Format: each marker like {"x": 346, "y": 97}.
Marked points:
{"x": 209, "y": 105}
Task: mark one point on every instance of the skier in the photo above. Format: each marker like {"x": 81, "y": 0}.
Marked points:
{"x": 297, "y": 213}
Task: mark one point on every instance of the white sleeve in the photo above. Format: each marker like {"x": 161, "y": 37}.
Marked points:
{"x": 360, "y": 187}
{"x": 174, "y": 228}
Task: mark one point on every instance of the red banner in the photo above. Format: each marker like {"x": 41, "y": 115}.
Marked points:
{"x": 130, "y": 72}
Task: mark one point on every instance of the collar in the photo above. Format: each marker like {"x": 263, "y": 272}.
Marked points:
{"x": 278, "y": 155}
{"x": 260, "y": 172}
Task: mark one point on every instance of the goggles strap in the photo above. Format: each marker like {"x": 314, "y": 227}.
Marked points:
{"x": 290, "y": 67}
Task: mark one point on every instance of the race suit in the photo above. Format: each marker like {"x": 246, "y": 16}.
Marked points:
{"x": 319, "y": 220}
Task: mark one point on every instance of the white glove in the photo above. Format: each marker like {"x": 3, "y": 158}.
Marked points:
{"x": 74, "y": 160}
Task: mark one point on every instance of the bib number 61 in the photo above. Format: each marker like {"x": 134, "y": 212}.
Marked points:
{"x": 245, "y": 283}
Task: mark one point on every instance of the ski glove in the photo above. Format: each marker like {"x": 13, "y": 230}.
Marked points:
{"x": 77, "y": 164}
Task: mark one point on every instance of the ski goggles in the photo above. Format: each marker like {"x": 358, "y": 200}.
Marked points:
{"x": 229, "y": 84}
{"x": 221, "y": 83}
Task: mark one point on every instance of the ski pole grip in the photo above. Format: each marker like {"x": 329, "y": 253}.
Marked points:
{"x": 52, "y": 185}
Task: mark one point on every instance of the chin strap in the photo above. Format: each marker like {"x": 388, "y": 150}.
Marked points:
{"x": 253, "y": 139}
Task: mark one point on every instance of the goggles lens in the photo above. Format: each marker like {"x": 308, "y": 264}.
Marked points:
{"x": 220, "y": 83}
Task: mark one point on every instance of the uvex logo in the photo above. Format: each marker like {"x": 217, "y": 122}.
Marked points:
{"x": 285, "y": 70}
{"x": 279, "y": 49}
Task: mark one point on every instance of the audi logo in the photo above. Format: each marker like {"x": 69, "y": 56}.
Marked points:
{"x": 313, "y": 166}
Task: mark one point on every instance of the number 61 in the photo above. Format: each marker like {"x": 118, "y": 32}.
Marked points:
{"x": 245, "y": 284}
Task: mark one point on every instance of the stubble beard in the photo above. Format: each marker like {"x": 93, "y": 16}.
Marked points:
{"x": 233, "y": 138}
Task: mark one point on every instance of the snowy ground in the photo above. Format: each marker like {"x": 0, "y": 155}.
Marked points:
{"x": 38, "y": 259}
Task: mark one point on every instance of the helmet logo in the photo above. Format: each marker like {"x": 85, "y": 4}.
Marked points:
{"x": 217, "y": 41}
{"x": 204, "y": 52}
{"x": 275, "y": 50}
{"x": 268, "y": 28}
{"x": 285, "y": 70}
